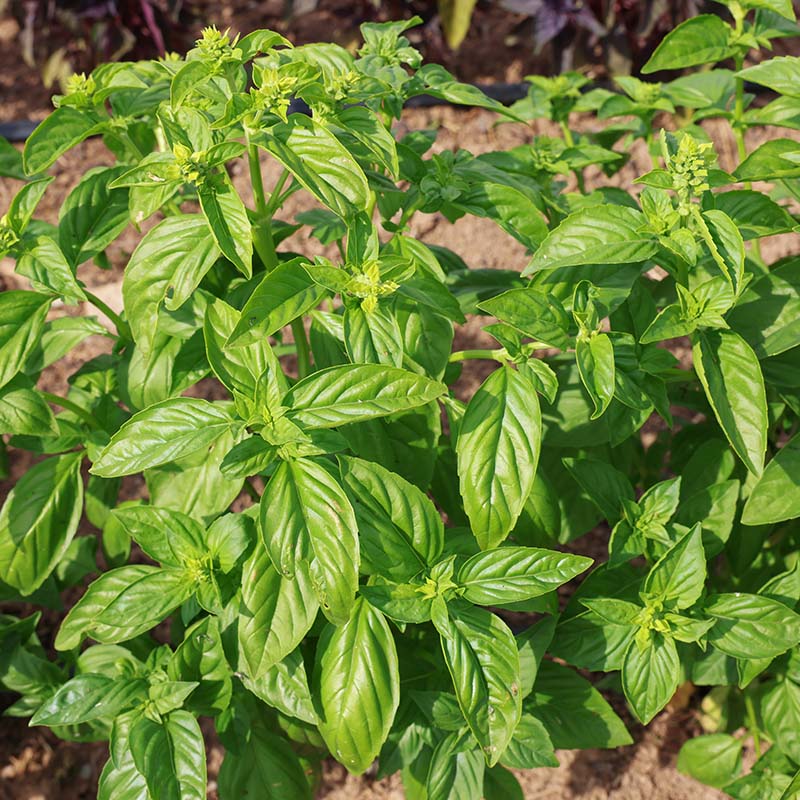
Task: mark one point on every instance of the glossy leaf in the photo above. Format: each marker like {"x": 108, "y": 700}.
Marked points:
{"x": 498, "y": 450}
{"x": 357, "y": 686}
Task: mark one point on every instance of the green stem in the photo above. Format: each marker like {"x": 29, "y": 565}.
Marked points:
{"x": 275, "y": 198}
{"x": 303, "y": 352}
{"x": 567, "y": 133}
{"x": 256, "y": 180}
{"x": 488, "y": 355}
{"x": 68, "y": 405}
{"x": 123, "y": 329}
{"x": 752, "y": 723}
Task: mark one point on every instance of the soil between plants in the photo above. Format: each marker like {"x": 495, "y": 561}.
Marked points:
{"x": 35, "y": 765}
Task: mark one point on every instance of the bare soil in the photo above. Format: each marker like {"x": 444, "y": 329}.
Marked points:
{"x": 34, "y": 765}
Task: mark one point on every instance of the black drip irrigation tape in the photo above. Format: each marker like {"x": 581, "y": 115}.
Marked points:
{"x": 505, "y": 93}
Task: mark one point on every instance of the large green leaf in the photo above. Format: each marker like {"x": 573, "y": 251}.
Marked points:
{"x": 733, "y": 383}
{"x": 169, "y": 537}
{"x": 38, "y": 520}
{"x": 751, "y": 626}
{"x": 123, "y": 603}
{"x": 651, "y": 673}
{"x": 776, "y": 496}
{"x": 776, "y": 159}
{"x": 498, "y": 449}
{"x": 58, "y": 132}
{"x": 287, "y": 292}
{"x": 307, "y": 520}
{"x": 22, "y": 318}
{"x": 595, "y": 235}
{"x": 573, "y": 711}
{"x": 171, "y": 756}
{"x": 24, "y": 411}
{"x": 264, "y": 766}
{"x": 781, "y": 74}
{"x": 699, "y": 40}
{"x": 229, "y": 224}
{"x": 678, "y": 577}
{"x": 88, "y": 697}
{"x": 767, "y": 315}
{"x": 238, "y": 368}
{"x": 780, "y": 710}
{"x": 319, "y": 162}
{"x": 92, "y": 216}
{"x": 275, "y": 613}
{"x": 166, "y": 267}
{"x": 400, "y": 530}
{"x": 162, "y": 433}
{"x": 482, "y": 658}
{"x": 48, "y": 270}
{"x": 356, "y": 392}
{"x": 711, "y": 759}
{"x": 533, "y": 312}
{"x": 357, "y": 685}
{"x": 510, "y": 574}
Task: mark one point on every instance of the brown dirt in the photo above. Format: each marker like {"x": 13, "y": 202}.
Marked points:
{"x": 34, "y": 765}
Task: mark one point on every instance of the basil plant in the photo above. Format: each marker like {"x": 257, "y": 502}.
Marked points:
{"x": 264, "y": 504}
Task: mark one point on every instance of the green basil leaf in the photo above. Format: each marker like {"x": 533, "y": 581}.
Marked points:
{"x": 123, "y": 603}
{"x": 319, "y": 162}
{"x": 357, "y": 686}
{"x": 24, "y": 411}
{"x": 306, "y": 519}
{"x": 773, "y": 160}
{"x": 733, "y": 383}
{"x": 780, "y": 710}
{"x": 169, "y": 537}
{"x": 284, "y": 686}
{"x": 781, "y": 74}
{"x": 285, "y": 293}
{"x": 532, "y": 312}
{"x": 200, "y": 659}
{"x": 355, "y": 392}
{"x": 595, "y": 235}
{"x": 510, "y": 574}
{"x": 166, "y": 267}
{"x": 498, "y": 450}
{"x": 766, "y": 315}
{"x": 230, "y": 226}
{"x": 776, "y": 495}
{"x": 678, "y": 577}
{"x": 482, "y": 658}
{"x": 456, "y": 770}
{"x": 751, "y": 626}
{"x": 651, "y": 673}
{"x": 238, "y": 368}
{"x": 595, "y": 359}
{"x": 171, "y": 756}
{"x": 574, "y": 713}
{"x": 38, "y": 521}
{"x": 46, "y": 267}
{"x": 530, "y": 747}
{"x": 373, "y": 337}
{"x": 22, "y": 318}
{"x": 162, "y": 433}
{"x": 88, "y": 697}
{"x": 58, "y": 132}
{"x": 711, "y": 759}
{"x": 704, "y": 39}
{"x": 275, "y": 613}
{"x": 400, "y": 530}
{"x": 264, "y": 766}
{"x": 92, "y": 216}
